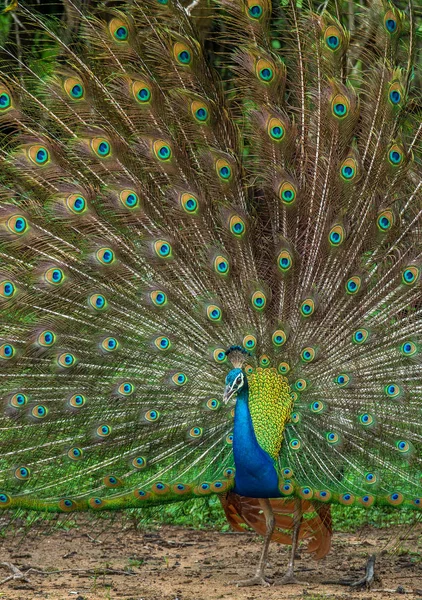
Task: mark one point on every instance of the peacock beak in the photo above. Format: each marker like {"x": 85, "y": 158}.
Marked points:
{"x": 228, "y": 394}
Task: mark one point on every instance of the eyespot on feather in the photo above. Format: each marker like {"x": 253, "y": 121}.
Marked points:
{"x": 74, "y": 88}
{"x": 200, "y": 112}
{"x": 129, "y": 199}
{"x": 46, "y": 338}
{"x": 163, "y": 249}
{"x": 249, "y": 342}
{"x": 6, "y": 99}
{"x": 119, "y": 30}
{"x": 54, "y": 276}
{"x": 126, "y": 388}
{"x": 39, "y": 155}
{"x": 8, "y": 289}
{"x": 17, "y": 225}
{"x": 287, "y": 192}
{"x": 237, "y": 226}
{"x": 284, "y": 261}
{"x": 7, "y": 351}
{"x": 189, "y": 203}
{"x": 142, "y": 92}
{"x": 101, "y": 147}
{"x": 349, "y": 170}
{"x": 385, "y": 220}
{"x": 340, "y": 106}
{"x": 76, "y": 204}
{"x": 265, "y": 70}
{"x": 162, "y": 151}
{"x": 183, "y": 54}
{"x": 66, "y": 360}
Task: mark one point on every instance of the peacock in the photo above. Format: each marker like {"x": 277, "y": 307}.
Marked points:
{"x": 210, "y": 261}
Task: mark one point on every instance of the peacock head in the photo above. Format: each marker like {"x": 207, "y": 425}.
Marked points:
{"x": 236, "y": 378}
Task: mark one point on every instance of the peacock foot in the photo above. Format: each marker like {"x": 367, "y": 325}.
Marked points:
{"x": 289, "y": 578}
{"x": 258, "y": 579}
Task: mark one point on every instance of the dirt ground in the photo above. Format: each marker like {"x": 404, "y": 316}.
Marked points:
{"x": 172, "y": 563}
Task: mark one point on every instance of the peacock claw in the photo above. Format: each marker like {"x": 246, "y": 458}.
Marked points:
{"x": 289, "y": 579}
{"x": 256, "y": 580}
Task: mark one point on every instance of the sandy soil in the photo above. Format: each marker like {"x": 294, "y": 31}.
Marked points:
{"x": 173, "y": 563}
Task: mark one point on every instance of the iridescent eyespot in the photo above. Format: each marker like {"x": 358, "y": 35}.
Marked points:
{"x": 66, "y": 360}
{"x": 179, "y": 379}
{"x": 18, "y": 400}
{"x": 4, "y": 499}
{"x": 111, "y": 481}
{"x": 366, "y": 419}
{"x": 287, "y": 473}
{"x": 141, "y": 494}
{"x": 395, "y": 93}
{"x": 214, "y": 312}
{"x": 97, "y": 302}
{"x": 67, "y": 505}
{"x": 275, "y": 129}
{"x": 283, "y": 368}
{"x": 370, "y": 478}
{"x": 54, "y": 276}
{"x": 392, "y": 390}
{"x": 403, "y": 446}
{"x": 317, "y": 406}
{"x": 264, "y": 70}
{"x": 74, "y": 88}
{"x": 395, "y": 155}
{"x": 219, "y": 355}
{"x": 237, "y": 226}
{"x": 223, "y": 168}
{"x": 182, "y": 54}
{"x": 39, "y": 411}
{"x": 5, "y": 99}
{"x": 189, "y": 203}
{"x": 248, "y": 369}
{"x": 46, "y": 338}
{"x": 340, "y": 106}
{"x": 126, "y": 389}
{"x": 264, "y": 361}
{"x": 307, "y": 308}
{"x": 279, "y": 338}
{"x": 396, "y": 498}
{"x": 249, "y": 342}
{"x": 17, "y": 224}
{"x": 129, "y": 199}
{"x": 287, "y": 192}
{"x": 105, "y": 256}
{"x": 162, "y": 343}
{"x": 158, "y": 297}
{"x": 221, "y": 265}
{"x": 360, "y": 336}
{"x": 353, "y": 285}
{"x": 254, "y": 10}
{"x": 385, "y": 220}
{"x": 294, "y": 444}
{"x": 141, "y": 91}
{"x": 103, "y": 431}
{"x": 76, "y": 204}
{"x": 229, "y": 473}
{"x": 336, "y": 235}
{"x": 332, "y": 438}
{"x": 22, "y": 473}
{"x": 213, "y": 404}
{"x": 75, "y": 453}
{"x": 308, "y": 354}
{"x": 408, "y": 349}
{"x": 286, "y": 488}
{"x": 366, "y": 500}
{"x": 332, "y": 38}
{"x": 300, "y": 385}
{"x": 163, "y": 249}
{"x": 162, "y": 150}
{"x": 229, "y": 439}
{"x": 7, "y": 351}
{"x": 118, "y": 30}
{"x": 77, "y": 401}
{"x": 101, "y": 147}
{"x": 306, "y": 493}
{"x": 152, "y": 415}
{"x": 109, "y": 344}
{"x": 39, "y": 155}
{"x": 346, "y": 499}
{"x": 139, "y": 462}
{"x": 348, "y": 169}
{"x": 160, "y": 488}
{"x": 295, "y": 418}
{"x": 390, "y": 22}
{"x": 7, "y": 289}
{"x": 95, "y": 503}
{"x": 195, "y": 432}
{"x": 259, "y": 300}
{"x": 410, "y": 275}
{"x": 284, "y": 261}
{"x": 200, "y": 111}
{"x": 342, "y": 380}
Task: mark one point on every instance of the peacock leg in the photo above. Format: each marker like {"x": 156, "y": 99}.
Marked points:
{"x": 259, "y": 578}
{"x": 289, "y": 577}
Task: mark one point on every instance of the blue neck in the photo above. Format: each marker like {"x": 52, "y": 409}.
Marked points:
{"x": 255, "y": 476}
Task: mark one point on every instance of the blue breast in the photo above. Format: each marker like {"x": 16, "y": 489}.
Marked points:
{"x": 255, "y": 472}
